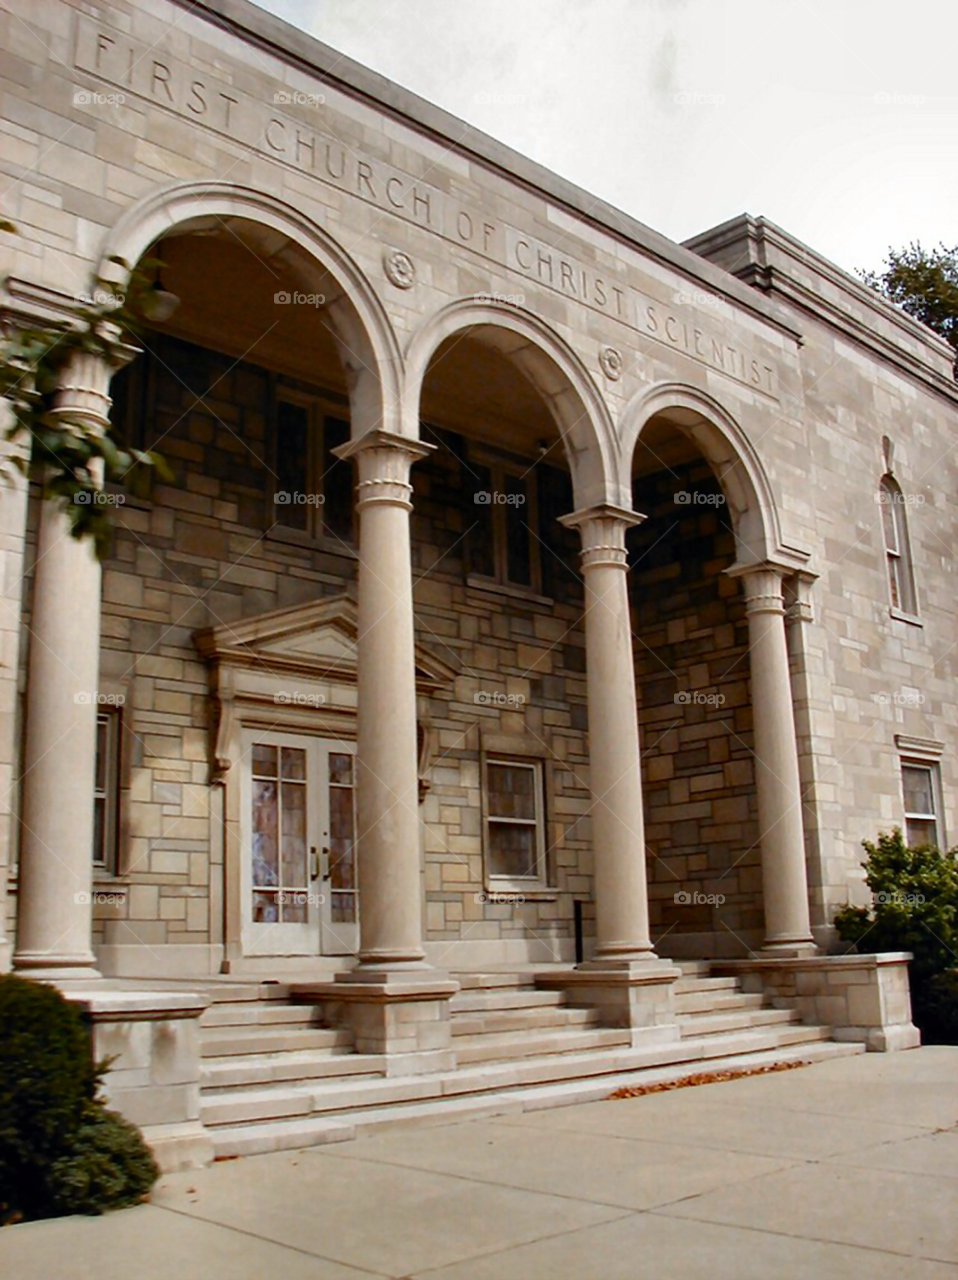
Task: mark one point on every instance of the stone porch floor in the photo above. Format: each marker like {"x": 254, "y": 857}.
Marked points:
{"x": 842, "y": 1169}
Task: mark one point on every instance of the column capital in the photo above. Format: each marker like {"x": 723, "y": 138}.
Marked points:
{"x": 762, "y": 586}
{"x": 602, "y": 529}
{"x": 82, "y": 397}
{"x": 384, "y": 460}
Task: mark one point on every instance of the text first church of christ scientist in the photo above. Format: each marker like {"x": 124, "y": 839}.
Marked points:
{"x": 330, "y": 772}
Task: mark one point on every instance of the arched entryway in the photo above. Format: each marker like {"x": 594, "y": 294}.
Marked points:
{"x": 721, "y": 788}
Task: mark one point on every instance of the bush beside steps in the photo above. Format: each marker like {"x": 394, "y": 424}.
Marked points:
{"x": 61, "y": 1150}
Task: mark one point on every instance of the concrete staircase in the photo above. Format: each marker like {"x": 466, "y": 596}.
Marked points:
{"x": 274, "y": 1077}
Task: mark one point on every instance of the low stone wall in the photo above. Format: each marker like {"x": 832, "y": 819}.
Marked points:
{"x": 154, "y": 1078}
{"x": 862, "y": 998}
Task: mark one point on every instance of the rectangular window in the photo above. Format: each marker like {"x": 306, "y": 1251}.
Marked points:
{"x": 106, "y": 791}
{"x": 515, "y": 820}
{"x": 313, "y": 488}
{"x": 921, "y": 790}
{"x": 503, "y": 547}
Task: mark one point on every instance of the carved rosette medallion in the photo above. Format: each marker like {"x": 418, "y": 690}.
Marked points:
{"x": 400, "y": 269}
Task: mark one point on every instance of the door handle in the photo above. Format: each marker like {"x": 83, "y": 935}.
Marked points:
{"x": 325, "y": 861}
{"x": 313, "y": 863}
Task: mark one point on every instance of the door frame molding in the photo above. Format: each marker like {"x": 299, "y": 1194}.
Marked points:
{"x": 291, "y": 671}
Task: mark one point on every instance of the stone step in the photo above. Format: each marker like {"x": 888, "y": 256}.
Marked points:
{"x": 360, "y": 1106}
{"x": 260, "y": 1069}
{"x": 236, "y": 992}
{"x": 491, "y": 981}
{"x": 685, "y": 986}
{"x": 221, "y": 1042}
{"x": 259, "y": 1013}
{"x": 708, "y": 1024}
{"x": 522, "y": 998}
{"x": 520, "y": 1020}
{"x": 503, "y": 1048}
{"x": 712, "y": 1002}
{"x": 279, "y": 1135}
{"x": 694, "y": 968}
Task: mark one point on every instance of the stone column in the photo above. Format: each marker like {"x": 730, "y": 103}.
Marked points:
{"x": 390, "y": 893}
{"x": 618, "y": 829}
{"x": 624, "y": 981}
{"x": 784, "y": 880}
{"x": 54, "y": 927}
{"x": 393, "y": 1001}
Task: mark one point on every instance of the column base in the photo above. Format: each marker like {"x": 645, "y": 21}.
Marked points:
{"x": 633, "y": 995}
{"x": 41, "y": 967}
{"x": 401, "y": 1015}
{"x": 788, "y": 950}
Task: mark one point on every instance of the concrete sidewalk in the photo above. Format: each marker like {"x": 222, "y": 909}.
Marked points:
{"x": 847, "y": 1168}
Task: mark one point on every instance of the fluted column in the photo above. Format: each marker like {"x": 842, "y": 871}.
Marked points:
{"x": 618, "y": 834}
{"x": 390, "y": 901}
{"x": 54, "y": 916}
{"x": 784, "y": 879}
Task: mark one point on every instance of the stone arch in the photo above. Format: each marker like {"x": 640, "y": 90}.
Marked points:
{"x": 364, "y": 337}
{"x": 731, "y": 455}
{"x": 553, "y": 368}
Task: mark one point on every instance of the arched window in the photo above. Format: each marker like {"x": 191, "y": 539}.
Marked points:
{"x": 901, "y": 575}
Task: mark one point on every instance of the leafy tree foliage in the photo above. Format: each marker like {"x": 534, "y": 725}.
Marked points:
{"x": 923, "y": 282}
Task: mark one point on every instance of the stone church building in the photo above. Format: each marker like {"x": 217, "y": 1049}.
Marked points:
{"x": 538, "y": 617}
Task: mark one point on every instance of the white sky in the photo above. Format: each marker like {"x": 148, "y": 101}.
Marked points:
{"x": 836, "y": 119}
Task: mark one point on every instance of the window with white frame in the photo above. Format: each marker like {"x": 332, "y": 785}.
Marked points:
{"x": 106, "y": 791}
{"x": 515, "y": 820}
{"x": 901, "y": 574}
{"x": 921, "y": 790}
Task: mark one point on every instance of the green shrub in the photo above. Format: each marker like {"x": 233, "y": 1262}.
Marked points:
{"x": 106, "y": 1165}
{"x": 53, "y": 1139}
{"x": 914, "y": 908}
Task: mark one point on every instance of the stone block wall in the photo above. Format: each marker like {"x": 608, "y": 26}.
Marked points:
{"x": 698, "y": 773}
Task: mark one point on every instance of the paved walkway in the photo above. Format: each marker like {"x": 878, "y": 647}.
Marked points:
{"x": 848, "y": 1168}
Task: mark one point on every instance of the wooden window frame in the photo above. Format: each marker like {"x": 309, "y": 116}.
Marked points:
{"x": 107, "y": 864}
{"x": 902, "y": 588}
{"x": 499, "y": 468}
{"x": 320, "y": 407}
{"x": 507, "y": 883}
{"x": 933, "y": 769}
